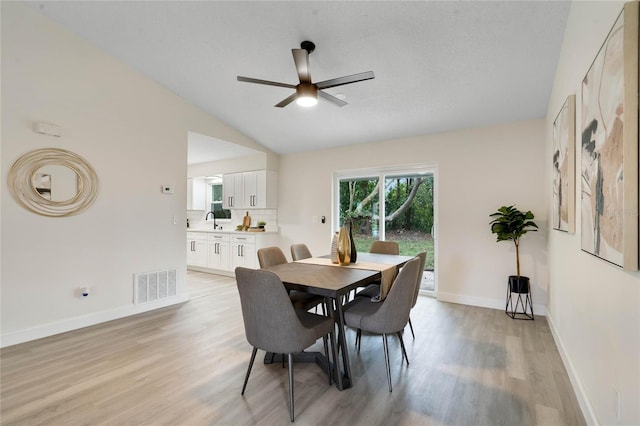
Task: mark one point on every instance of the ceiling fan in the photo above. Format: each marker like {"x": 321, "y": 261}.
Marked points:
{"x": 307, "y": 92}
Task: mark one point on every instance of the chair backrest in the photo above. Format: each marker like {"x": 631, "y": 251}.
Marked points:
{"x": 270, "y": 321}
{"x": 423, "y": 260}
{"x": 384, "y": 247}
{"x": 300, "y": 251}
{"x": 270, "y": 256}
{"x": 393, "y": 315}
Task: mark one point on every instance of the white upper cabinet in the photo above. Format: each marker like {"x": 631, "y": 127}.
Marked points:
{"x": 196, "y": 193}
{"x": 256, "y": 189}
{"x": 260, "y": 189}
{"x": 232, "y": 191}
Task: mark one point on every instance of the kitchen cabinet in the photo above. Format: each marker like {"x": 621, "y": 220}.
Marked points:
{"x": 196, "y": 193}
{"x": 219, "y": 250}
{"x": 260, "y": 189}
{"x": 246, "y": 190}
{"x": 197, "y": 249}
{"x": 243, "y": 251}
{"x": 232, "y": 191}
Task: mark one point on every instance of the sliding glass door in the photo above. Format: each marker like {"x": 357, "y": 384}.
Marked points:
{"x": 393, "y": 205}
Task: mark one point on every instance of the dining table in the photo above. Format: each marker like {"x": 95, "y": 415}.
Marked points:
{"x": 335, "y": 282}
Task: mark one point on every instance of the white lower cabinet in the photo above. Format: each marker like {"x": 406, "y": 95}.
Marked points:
{"x": 243, "y": 251}
{"x": 219, "y": 250}
{"x": 222, "y": 252}
{"x": 197, "y": 249}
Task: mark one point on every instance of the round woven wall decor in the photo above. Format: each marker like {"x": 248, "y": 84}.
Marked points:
{"x": 22, "y": 175}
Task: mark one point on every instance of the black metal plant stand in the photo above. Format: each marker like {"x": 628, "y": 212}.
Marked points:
{"x": 520, "y": 286}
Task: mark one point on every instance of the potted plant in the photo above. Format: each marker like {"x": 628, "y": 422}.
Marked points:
{"x": 261, "y": 224}
{"x": 510, "y": 224}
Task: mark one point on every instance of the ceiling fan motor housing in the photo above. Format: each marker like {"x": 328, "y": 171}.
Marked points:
{"x": 307, "y": 90}
{"x": 306, "y": 94}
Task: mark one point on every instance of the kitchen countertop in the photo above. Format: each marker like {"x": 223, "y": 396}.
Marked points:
{"x": 217, "y": 231}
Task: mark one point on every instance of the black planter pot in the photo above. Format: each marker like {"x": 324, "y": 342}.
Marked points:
{"x": 520, "y": 291}
{"x": 518, "y": 284}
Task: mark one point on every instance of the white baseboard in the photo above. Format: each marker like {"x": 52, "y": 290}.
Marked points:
{"x": 484, "y": 302}
{"x": 75, "y": 323}
{"x": 231, "y": 274}
{"x": 583, "y": 401}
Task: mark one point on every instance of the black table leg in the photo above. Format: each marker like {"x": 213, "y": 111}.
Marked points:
{"x": 342, "y": 343}
{"x": 338, "y": 373}
{"x": 343, "y": 379}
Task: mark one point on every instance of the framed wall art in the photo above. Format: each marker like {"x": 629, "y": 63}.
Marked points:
{"x": 609, "y": 151}
{"x": 564, "y": 168}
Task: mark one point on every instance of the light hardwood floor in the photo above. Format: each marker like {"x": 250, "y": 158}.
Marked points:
{"x": 184, "y": 365}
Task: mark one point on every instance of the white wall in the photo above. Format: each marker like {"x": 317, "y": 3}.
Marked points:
{"x": 594, "y": 307}
{"x": 134, "y": 133}
{"x": 479, "y": 170}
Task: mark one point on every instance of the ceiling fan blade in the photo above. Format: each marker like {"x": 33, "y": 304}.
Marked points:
{"x": 286, "y": 101}
{"x": 301, "y": 58}
{"x": 331, "y": 98}
{"x": 267, "y": 82}
{"x": 345, "y": 80}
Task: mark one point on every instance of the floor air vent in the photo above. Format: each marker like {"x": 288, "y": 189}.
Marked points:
{"x": 152, "y": 286}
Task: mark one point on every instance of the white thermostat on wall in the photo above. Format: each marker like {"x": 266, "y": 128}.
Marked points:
{"x": 167, "y": 189}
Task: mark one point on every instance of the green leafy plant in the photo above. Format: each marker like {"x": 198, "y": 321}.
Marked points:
{"x": 510, "y": 224}
{"x": 262, "y": 223}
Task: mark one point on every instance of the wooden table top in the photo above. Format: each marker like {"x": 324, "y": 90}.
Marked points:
{"x": 333, "y": 281}
{"x": 329, "y": 281}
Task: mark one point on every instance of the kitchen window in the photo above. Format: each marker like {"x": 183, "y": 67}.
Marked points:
{"x": 214, "y": 200}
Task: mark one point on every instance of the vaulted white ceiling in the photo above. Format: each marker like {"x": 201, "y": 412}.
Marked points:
{"x": 439, "y": 65}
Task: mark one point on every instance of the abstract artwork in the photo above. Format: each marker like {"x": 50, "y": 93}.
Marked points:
{"x": 564, "y": 139}
{"x": 609, "y": 151}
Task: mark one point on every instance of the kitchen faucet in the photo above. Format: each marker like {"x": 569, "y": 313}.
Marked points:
{"x": 215, "y": 226}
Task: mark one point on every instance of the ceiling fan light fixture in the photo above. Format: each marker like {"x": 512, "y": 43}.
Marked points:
{"x": 306, "y": 95}
{"x": 307, "y": 91}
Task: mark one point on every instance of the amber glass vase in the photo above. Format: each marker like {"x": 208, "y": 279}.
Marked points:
{"x": 344, "y": 247}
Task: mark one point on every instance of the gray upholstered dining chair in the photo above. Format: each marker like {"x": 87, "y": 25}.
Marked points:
{"x": 300, "y": 251}
{"x": 423, "y": 260}
{"x": 384, "y": 247}
{"x": 270, "y": 256}
{"x": 380, "y": 247}
{"x": 272, "y": 324}
{"x": 389, "y": 316}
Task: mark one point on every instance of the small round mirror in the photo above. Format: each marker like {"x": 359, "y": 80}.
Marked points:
{"x": 56, "y": 183}
{"x": 53, "y": 182}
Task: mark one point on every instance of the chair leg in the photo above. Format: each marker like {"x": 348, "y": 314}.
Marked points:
{"x": 404, "y": 351}
{"x": 411, "y": 327}
{"x": 246, "y": 379}
{"x": 291, "y": 386}
{"x": 358, "y": 338}
{"x": 386, "y": 359}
